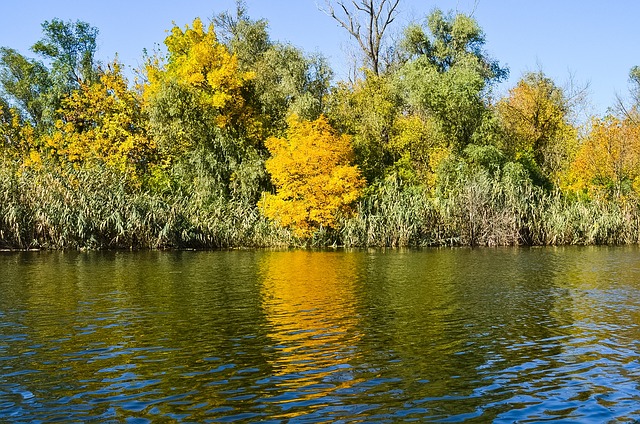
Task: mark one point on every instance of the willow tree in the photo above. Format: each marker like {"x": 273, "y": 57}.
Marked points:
{"x": 37, "y": 87}
{"x": 26, "y": 83}
{"x": 447, "y": 74}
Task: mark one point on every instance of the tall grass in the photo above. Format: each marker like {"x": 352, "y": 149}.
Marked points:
{"x": 96, "y": 208}
{"x": 396, "y": 216}
{"x": 488, "y": 210}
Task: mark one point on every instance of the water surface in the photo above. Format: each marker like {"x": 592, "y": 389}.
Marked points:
{"x": 452, "y": 335}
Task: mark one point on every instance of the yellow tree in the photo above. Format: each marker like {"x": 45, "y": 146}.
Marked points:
{"x": 17, "y": 137}
{"x": 103, "y": 122}
{"x": 421, "y": 146}
{"x": 310, "y": 169}
{"x": 535, "y": 115}
{"x": 203, "y": 74}
{"x": 608, "y": 162}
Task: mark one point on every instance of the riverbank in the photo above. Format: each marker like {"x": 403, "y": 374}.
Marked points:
{"x": 97, "y": 209}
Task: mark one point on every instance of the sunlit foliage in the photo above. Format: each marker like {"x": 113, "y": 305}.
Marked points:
{"x": 201, "y": 119}
{"x": 200, "y": 65}
{"x": 315, "y": 183}
{"x": 535, "y": 116}
{"x": 103, "y": 122}
{"x": 17, "y": 137}
{"x": 26, "y": 83}
{"x": 367, "y": 110}
{"x": 608, "y": 162}
{"x": 420, "y": 146}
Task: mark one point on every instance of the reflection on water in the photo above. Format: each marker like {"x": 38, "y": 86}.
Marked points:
{"x": 483, "y": 335}
{"x": 310, "y": 307}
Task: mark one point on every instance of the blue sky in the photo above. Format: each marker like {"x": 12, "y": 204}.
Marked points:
{"x": 596, "y": 41}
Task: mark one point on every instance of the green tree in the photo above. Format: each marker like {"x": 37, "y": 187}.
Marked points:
{"x": 286, "y": 81}
{"x": 630, "y": 109}
{"x": 447, "y": 74}
{"x": 26, "y": 82}
{"x": 634, "y": 77}
{"x": 70, "y": 47}
{"x": 37, "y": 89}
{"x": 248, "y": 39}
{"x": 419, "y": 146}
{"x": 448, "y": 40}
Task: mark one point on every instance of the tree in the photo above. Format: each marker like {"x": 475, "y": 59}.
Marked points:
{"x": 26, "y": 82}
{"x": 447, "y": 74}
{"x": 315, "y": 183}
{"x": 104, "y": 122}
{"x": 631, "y": 110}
{"x": 199, "y": 90}
{"x": 288, "y": 83}
{"x": 17, "y": 138}
{"x": 285, "y": 80}
{"x": 71, "y": 48}
{"x": 453, "y": 98}
{"x": 448, "y": 40}
{"x": 367, "y": 110}
{"x": 535, "y": 116}
{"x": 246, "y": 38}
{"x": 608, "y": 162}
{"x": 366, "y": 21}
{"x": 419, "y": 146}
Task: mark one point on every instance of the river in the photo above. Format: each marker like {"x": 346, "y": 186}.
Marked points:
{"x": 440, "y": 335}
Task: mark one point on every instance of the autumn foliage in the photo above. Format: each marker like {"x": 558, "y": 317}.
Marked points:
{"x": 228, "y": 138}
{"x": 314, "y": 180}
{"x": 608, "y": 162}
{"x": 103, "y": 122}
{"x": 535, "y": 117}
{"x": 200, "y": 64}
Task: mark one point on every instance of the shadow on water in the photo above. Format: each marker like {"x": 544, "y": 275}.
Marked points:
{"x": 451, "y": 335}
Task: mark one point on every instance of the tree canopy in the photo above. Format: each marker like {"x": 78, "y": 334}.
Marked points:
{"x": 229, "y": 137}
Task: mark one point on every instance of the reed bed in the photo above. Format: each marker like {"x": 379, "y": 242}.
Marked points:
{"x": 97, "y": 208}
{"x": 485, "y": 210}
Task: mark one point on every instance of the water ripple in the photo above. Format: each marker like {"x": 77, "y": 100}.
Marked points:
{"x": 436, "y": 335}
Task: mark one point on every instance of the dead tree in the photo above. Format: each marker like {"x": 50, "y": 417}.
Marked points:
{"x": 366, "y": 21}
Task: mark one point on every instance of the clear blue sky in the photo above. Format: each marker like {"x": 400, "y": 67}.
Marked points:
{"x": 597, "y": 41}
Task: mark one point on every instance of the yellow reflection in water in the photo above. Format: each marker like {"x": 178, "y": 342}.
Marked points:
{"x": 310, "y": 303}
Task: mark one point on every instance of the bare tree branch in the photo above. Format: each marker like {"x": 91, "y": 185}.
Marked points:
{"x": 374, "y": 15}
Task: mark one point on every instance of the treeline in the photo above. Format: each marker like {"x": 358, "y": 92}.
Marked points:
{"x": 229, "y": 138}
